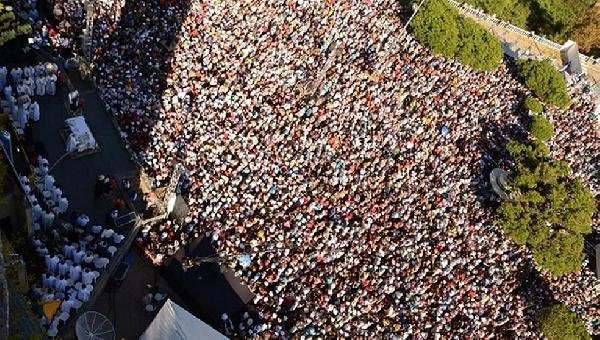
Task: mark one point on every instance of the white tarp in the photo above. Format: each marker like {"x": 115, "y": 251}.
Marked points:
{"x": 81, "y": 138}
{"x": 173, "y": 322}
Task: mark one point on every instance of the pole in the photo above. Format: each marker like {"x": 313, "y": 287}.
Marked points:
{"x": 413, "y": 15}
{"x": 89, "y": 29}
{"x": 60, "y": 159}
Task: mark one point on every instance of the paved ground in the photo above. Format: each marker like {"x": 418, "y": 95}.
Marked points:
{"x": 77, "y": 177}
{"x": 124, "y": 304}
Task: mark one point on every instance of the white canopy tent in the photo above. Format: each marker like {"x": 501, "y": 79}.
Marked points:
{"x": 81, "y": 138}
{"x": 173, "y": 322}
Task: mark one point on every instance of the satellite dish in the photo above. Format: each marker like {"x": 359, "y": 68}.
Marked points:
{"x": 499, "y": 181}
{"x": 94, "y": 326}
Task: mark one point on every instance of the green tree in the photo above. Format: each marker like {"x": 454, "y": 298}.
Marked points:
{"x": 478, "y": 47}
{"x": 514, "y": 11}
{"x": 439, "y": 26}
{"x": 435, "y": 26}
{"x": 541, "y": 128}
{"x": 10, "y": 27}
{"x": 541, "y": 77}
{"x": 549, "y": 211}
{"x": 559, "y": 323}
{"x": 533, "y": 105}
{"x": 557, "y": 18}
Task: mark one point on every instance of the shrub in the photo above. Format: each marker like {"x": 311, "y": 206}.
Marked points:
{"x": 559, "y": 323}
{"x": 534, "y": 105}
{"x": 540, "y": 128}
{"x": 439, "y": 26}
{"x": 545, "y": 81}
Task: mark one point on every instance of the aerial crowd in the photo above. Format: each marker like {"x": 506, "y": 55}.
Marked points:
{"x": 350, "y": 163}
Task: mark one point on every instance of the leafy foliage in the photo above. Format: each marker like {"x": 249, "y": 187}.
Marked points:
{"x": 439, "y": 26}
{"x": 479, "y": 48}
{"x": 436, "y": 26}
{"x": 556, "y": 19}
{"x": 534, "y": 105}
{"x": 540, "y": 128}
{"x": 10, "y": 28}
{"x": 587, "y": 32}
{"x": 550, "y": 212}
{"x": 516, "y": 12}
{"x": 559, "y": 323}
{"x": 545, "y": 81}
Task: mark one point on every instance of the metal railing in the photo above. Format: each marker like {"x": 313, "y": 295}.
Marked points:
{"x": 480, "y": 14}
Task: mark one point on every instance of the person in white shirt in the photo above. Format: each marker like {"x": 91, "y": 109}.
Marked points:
{"x": 51, "y": 85}
{"x": 8, "y": 92}
{"x": 16, "y": 74}
{"x": 40, "y": 86}
{"x": 100, "y": 262}
{"x": 48, "y": 220}
{"x": 36, "y": 212}
{"x": 68, "y": 250}
{"x": 63, "y": 205}
{"x": 78, "y": 256}
{"x": 63, "y": 269}
{"x": 40, "y": 70}
{"x": 87, "y": 276}
{"x": 30, "y": 86}
{"x": 56, "y": 194}
{"x": 61, "y": 284}
{"x": 84, "y": 294}
{"x": 83, "y": 220}
{"x": 75, "y": 273}
{"x": 42, "y": 251}
{"x": 51, "y": 280}
{"x": 53, "y": 264}
{"x": 28, "y": 72}
{"x": 35, "y": 111}
{"x": 3, "y": 73}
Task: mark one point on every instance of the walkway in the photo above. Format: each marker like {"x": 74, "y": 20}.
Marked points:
{"x": 77, "y": 177}
{"x": 123, "y": 305}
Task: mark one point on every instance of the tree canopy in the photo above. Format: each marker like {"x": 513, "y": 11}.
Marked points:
{"x": 436, "y": 26}
{"x": 10, "y": 27}
{"x": 534, "y": 105}
{"x": 559, "y": 323}
{"x": 440, "y": 27}
{"x": 549, "y": 211}
{"x": 516, "y": 12}
{"x": 556, "y": 19}
{"x": 540, "y": 128}
{"x": 541, "y": 77}
{"x": 587, "y": 32}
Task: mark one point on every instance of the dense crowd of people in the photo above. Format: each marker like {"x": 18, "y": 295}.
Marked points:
{"x": 347, "y": 160}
